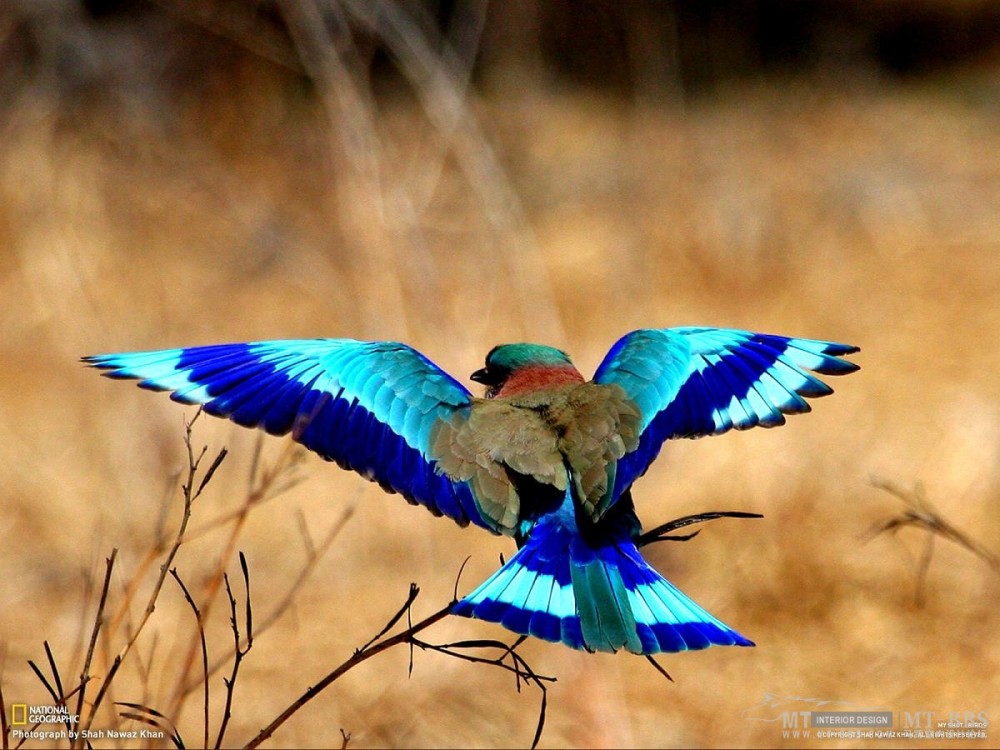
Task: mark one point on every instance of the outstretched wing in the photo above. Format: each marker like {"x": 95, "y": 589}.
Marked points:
{"x": 691, "y": 382}
{"x": 370, "y": 406}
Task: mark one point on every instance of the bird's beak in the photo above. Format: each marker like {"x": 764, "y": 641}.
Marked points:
{"x": 480, "y": 376}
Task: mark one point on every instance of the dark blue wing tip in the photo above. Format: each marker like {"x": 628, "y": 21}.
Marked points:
{"x": 834, "y": 366}
{"x": 729, "y": 637}
{"x": 839, "y": 350}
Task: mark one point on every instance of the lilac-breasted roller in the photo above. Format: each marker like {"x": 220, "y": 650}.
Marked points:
{"x": 546, "y": 457}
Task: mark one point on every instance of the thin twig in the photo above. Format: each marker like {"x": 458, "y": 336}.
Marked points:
{"x": 204, "y": 649}
{"x": 370, "y": 649}
{"x": 248, "y": 609}
{"x": 376, "y": 645}
{"x": 404, "y": 610}
{"x": 55, "y": 691}
{"x": 153, "y": 718}
{"x": 458, "y": 577}
{"x": 660, "y": 533}
{"x": 264, "y": 482}
{"x": 922, "y": 514}
{"x": 521, "y": 669}
{"x": 4, "y": 738}
{"x": 238, "y": 651}
{"x": 53, "y": 667}
{"x": 314, "y": 554}
{"x": 55, "y": 674}
{"x": 190, "y": 496}
{"x": 98, "y": 621}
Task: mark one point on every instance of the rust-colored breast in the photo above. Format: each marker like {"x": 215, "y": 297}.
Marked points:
{"x": 542, "y": 379}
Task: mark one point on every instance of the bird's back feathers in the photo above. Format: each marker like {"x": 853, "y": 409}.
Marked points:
{"x": 573, "y": 433}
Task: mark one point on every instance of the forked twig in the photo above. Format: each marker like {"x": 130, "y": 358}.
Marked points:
{"x": 370, "y": 649}
{"x": 199, "y": 622}
{"x": 379, "y": 643}
{"x": 314, "y": 553}
{"x": 190, "y": 495}
{"x": 922, "y": 514}
{"x": 153, "y": 718}
{"x": 56, "y": 691}
{"x": 519, "y": 667}
{"x": 239, "y": 651}
{"x": 146, "y": 714}
{"x": 264, "y": 482}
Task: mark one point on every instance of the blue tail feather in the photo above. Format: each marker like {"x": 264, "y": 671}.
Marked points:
{"x": 604, "y": 598}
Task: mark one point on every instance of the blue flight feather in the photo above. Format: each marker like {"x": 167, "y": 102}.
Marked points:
{"x": 598, "y": 595}
{"x": 691, "y": 382}
{"x": 369, "y": 406}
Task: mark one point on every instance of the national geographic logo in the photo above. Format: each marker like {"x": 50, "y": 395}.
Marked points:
{"x": 50, "y": 724}
{"x": 22, "y": 714}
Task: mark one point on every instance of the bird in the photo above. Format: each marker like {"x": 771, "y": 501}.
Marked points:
{"x": 543, "y": 455}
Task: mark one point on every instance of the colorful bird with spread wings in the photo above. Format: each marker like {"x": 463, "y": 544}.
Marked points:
{"x": 546, "y": 457}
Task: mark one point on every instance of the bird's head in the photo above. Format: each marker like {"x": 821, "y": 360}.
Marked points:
{"x": 517, "y": 367}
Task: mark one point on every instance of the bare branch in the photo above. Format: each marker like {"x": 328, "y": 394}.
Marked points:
{"x": 4, "y": 737}
{"x": 922, "y": 514}
{"x": 660, "y": 533}
{"x": 238, "y": 651}
{"x": 58, "y": 697}
{"x": 199, "y": 622}
{"x": 376, "y": 645}
{"x": 98, "y": 622}
{"x": 153, "y": 718}
{"x": 370, "y": 649}
{"x": 189, "y": 497}
{"x": 265, "y": 482}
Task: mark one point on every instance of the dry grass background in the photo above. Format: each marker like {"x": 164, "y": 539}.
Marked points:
{"x": 247, "y": 204}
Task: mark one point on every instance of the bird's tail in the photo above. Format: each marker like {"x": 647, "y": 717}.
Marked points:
{"x": 599, "y": 598}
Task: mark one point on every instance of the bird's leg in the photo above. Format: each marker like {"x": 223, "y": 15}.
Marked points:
{"x": 662, "y": 533}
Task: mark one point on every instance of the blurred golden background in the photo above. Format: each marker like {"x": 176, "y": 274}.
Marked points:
{"x": 457, "y": 175}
